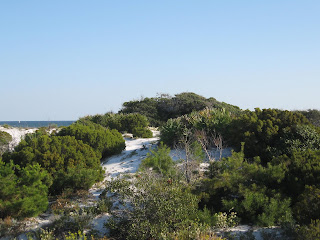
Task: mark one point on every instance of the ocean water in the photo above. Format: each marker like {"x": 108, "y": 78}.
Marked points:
{"x": 36, "y": 124}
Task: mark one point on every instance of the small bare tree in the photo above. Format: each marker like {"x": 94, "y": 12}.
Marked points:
{"x": 185, "y": 150}
{"x": 207, "y": 142}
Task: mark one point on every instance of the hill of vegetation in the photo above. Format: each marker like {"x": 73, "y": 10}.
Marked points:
{"x": 159, "y": 109}
{"x": 272, "y": 177}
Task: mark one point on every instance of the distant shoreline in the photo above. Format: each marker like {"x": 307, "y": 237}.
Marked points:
{"x": 36, "y": 124}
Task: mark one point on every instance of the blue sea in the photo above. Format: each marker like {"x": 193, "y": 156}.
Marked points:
{"x": 36, "y": 124}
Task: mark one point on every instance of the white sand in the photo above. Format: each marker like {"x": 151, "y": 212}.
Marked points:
{"x": 128, "y": 161}
{"x": 17, "y": 134}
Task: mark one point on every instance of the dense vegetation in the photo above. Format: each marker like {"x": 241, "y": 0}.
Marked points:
{"x": 270, "y": 132}
{"x": 275, "y": 194}
{"x": 23, "y": 191}
{"x": 134, "y": 123}
{"x": 210, "y": 121}
{"x": 312, "y": 115}
{"x": 70, "y": 162}
{"x": 159, "y": 109}
{"x": 271, "y": 178}
{"x": 274, "y": 173}
{"x": 104, "y": 141}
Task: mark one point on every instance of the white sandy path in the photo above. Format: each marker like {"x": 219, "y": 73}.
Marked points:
{"x": 126, "y": 162}
{"x": 17, "y": 134}
{"x": 129, "y": 160}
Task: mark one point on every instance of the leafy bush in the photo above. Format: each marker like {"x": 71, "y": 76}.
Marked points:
{"x": 142, "y": 132}
{"x": 300, "y": 169}
{"x": 252, "y": 190}
{"x": 308, "y": 206}
{"x": 70, "y": 162}
{"x": 154, "y": 208}
{"x": 208, "y": 120}
{"x": 23, "y": 191}
{"x": 159, "y": 160}
{"x": 159, "y": 109}
{"x": 106, "y": 142}
{"x": 134, "y": 123}
{"x": 312, "y": 115}
{"x": 267, "y": 133}
{"x": 309, "y": 232}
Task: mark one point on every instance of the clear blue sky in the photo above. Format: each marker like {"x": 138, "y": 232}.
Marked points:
{"x": 60, "y": 60}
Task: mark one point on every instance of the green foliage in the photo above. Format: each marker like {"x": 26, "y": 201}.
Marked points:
{"x": 70, "y": 162}
{"x": 218, "y": 220}
{"x": 269, "y": 132}
{"x": 309, "y": 232}
{"x": 301, "y": 169}
{"x": 104, "y": 141}
{"x": 308, "y": 206}
{"x": 155, "y": 208}
{"x": 252, "y": 190}
{"x": 208, "y": 120}
{"x": 159, "y": 109}
{"x": 159, "y": 160}
{"x": 134, "y": 123}
{"x": 301, "y": 138}
{"x": 23, "y": 192}
{"x": 312, "y": 115}
{"x": 172, "y": 131}
{"x": 146, "y": 107}
{"x": 5, "y": 138}
{"x": 265, "y": 194}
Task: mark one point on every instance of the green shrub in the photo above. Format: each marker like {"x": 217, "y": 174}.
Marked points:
{"x": 159, "y": 109}
{"x": 159, "y": 160}
{"x": 309, "y": 232}
{"x": 308, "y": 206}
{"x": 267, "y": 133}
{"x": 23, "y": 191}
{"x": 154, "y": 208}
{"x": 134, "y": 123}
{"x": 104, "y": 141}
{"x": 210, "y": 121}
{"x": 172, "y": 132}
{"x": 250, "y": 189}
{"x": 142, "y": 132}
{"x": 312, "y": 115}
{"x": 70, "y": 162}
{"x": 301, "y": 169}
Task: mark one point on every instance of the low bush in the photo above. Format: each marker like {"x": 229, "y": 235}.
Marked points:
{"x": 104, "y": 141}
{"x": 134, "y": 123}
{"x": 154, "y": 208}
{"x": 309, "y": 232}
{"x": 23, "y": 191}
{"x": 69, "y": 162}
{"x": 159, "y": 160}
